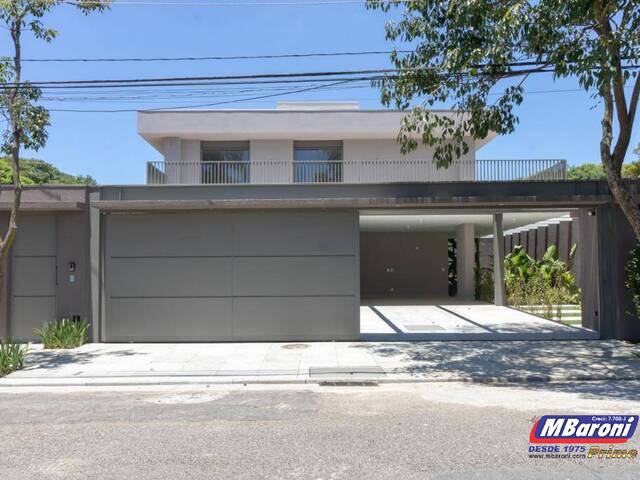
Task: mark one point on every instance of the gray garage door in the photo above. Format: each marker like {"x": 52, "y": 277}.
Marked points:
{"x": 232, "y": 276}
{"x": 33, "y": 275}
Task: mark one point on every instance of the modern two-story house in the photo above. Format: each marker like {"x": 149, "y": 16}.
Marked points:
{"x": 294, "y": 143}
{"x": 277, "y": 224}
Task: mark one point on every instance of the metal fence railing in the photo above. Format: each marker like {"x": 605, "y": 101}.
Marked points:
{"x": 353, "y": 171}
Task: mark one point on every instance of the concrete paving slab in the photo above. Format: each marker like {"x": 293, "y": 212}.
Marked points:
{"x": 399, "y": 361}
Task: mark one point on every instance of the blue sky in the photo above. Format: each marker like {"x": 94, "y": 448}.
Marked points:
{"x": 106, "y": 146}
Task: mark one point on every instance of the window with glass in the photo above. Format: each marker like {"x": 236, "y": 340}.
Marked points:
{"x": 317, "y": 161}
{"x": 225, "y": 162}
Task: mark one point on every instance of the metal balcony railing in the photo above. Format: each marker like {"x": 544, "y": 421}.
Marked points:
{"x": 353, "y": 171}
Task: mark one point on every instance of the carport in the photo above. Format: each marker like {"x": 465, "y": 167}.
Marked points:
{"x": 418, "y": 272}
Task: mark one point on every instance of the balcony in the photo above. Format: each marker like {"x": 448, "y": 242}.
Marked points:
{"x": 360, "y": 171}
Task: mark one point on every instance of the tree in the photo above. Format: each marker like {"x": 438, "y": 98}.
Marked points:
{"x": 593, "y": 171}
{"x": 27, "y": 121}
{"x": 39, "y": 172}
{"x": 586, "y": 171}
{"x": 462, "y": 49}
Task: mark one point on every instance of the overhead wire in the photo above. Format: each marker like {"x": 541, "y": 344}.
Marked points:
{"x": 211, "y": 58}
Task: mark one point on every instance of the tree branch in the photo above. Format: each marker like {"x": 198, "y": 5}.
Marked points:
{"x": 607, "y": 117}
{"x": 633, "y": 103}
{"x": 613, "y": 46}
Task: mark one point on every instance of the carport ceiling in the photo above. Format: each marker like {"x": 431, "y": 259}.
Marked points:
{"x": 445, "y": 222}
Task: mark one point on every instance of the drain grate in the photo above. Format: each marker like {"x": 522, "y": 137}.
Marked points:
{"x": 348, "y": 384}
{"x": 349, "y": 374}
{"x": 425, "y": 328}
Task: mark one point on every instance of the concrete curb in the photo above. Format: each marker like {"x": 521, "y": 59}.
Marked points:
{"x": 354, "y": 380}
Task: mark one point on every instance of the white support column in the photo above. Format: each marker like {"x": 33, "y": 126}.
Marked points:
{"x": 190, "y": 156}
{"x": 500, "y": 297}
{"x": 465, "y": 260}
{"x": 172, "y": 151}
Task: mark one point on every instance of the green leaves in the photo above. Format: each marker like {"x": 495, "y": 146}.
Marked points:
{"x": 467, "y": 55}
{"x": 27, "y": 120}
{"x": 39, "y": 172}
{"x": 548, "y": 282}
{"x": 12, "y": 356}
{"x": 63, "y": 333}
{"x": 587, "y": 171}
{"x": 593, "y": 171}
{"x": 30, "y": 119}
{"x": 551, "y": 273}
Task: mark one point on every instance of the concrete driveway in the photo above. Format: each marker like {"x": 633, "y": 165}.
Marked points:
{"x": 133, "y": 364}
{"x": 447, "y": 319}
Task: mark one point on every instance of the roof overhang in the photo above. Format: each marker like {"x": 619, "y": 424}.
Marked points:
{"x": 479, "y": 197}
{"x": 312, "y": 124}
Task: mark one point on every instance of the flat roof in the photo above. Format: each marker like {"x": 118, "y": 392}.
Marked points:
{"x": 285, "y": 124}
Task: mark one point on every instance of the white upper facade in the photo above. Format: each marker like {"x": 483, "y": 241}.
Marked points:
{"x": 297, "y": 142}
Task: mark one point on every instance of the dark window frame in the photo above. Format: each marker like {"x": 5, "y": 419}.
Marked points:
{"x": 318, "y": 170}
{"x": 226, "y": 170}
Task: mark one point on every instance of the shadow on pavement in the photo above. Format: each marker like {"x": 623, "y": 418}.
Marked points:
{"x": 539, "y": 362}
{"x": 593, "y": 390}
{"x": 56, "y": 358}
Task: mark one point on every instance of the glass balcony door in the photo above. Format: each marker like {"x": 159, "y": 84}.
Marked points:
{"x": 225, "y": 162}
{"x": 317, "y": 161}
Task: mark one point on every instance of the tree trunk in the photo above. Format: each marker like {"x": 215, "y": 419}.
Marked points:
{"x": 624, "y": 198}
{"x": 16, "y": 136}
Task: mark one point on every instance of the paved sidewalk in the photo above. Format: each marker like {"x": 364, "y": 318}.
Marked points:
{"x": 175, "y": 364}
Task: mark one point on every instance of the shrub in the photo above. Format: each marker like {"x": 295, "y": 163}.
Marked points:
{"x": 548, "y": 283}
{"x": 484, "y": 284}
{"x": 12, "y": 356}
{"x": 64, "y": 333}
{"x": 537, "y": 292}
{"x": 523, "y": 272}
{"x": 632, "y": 270}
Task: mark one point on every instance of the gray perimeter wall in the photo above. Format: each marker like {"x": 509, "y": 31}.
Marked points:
{"x": 33, "y": 275}
{"x": 42, "y": 288}
{"x": 605, "y": 239}
{"x": 615, "y": 238}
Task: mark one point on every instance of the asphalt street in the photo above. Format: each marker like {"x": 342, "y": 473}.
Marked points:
{"x": 425, "y": 431}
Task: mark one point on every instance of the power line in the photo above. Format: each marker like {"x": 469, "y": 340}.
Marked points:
{"x": 203, "y": 78}
{"x": 169, "y": 80}
{"x": 222, "y": 94}
{"x": 200, "y": 84}
{"x": 285, "y": 3}
{"x": 184, "y": 95}
{"x": 539, "y": 67}
{"x": 206, "y": 104}
{"x": 219, "y": 57}
{"x": 269, "y": 96}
